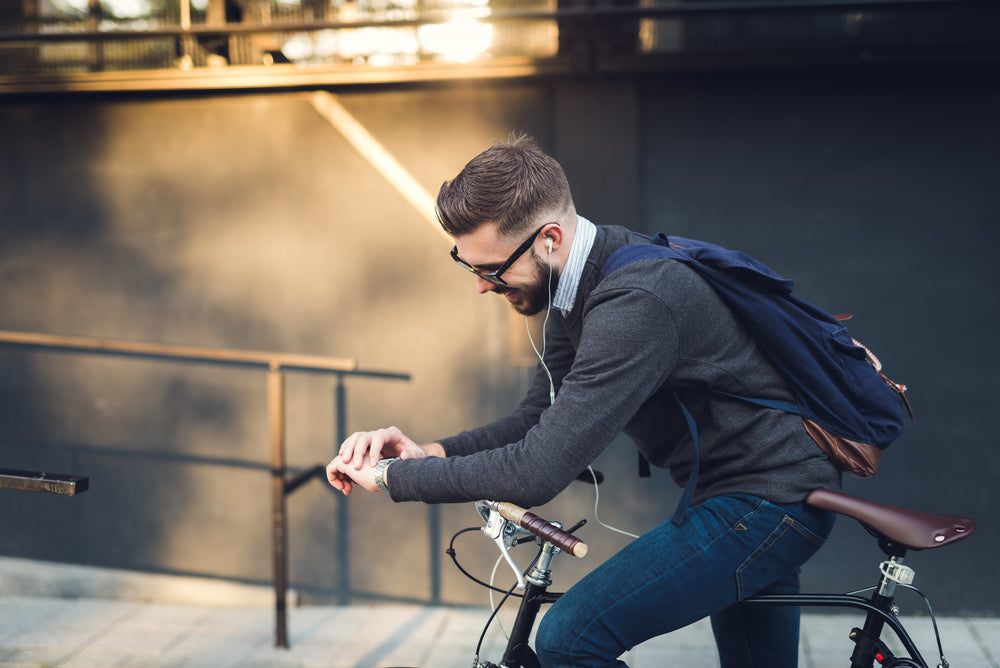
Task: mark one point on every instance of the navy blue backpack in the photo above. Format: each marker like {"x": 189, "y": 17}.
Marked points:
{"x": 847, "y": 403}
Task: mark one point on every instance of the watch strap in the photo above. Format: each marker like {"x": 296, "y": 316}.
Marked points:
{"x": 380, "y": 473}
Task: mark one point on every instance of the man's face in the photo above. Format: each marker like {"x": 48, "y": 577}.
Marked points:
{"x": 527, "y": 279}
{"x": 533, "y": 296}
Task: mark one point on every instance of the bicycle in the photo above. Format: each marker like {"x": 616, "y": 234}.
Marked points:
{"x": 896, "y": 529}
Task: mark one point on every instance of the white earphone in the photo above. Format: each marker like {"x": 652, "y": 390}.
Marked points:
{"x": 552, "y": 389}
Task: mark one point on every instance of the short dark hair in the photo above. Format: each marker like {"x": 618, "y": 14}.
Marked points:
{"x": 509, "y": 184}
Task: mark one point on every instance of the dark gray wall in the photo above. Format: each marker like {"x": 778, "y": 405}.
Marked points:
{"x": 249, "y": 222}
{"x": 875, "y": 190}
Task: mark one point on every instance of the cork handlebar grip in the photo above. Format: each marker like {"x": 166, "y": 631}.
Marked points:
{"x": 542, "y": 528}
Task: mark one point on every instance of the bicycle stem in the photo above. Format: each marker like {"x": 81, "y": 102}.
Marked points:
{"x": 540, "y": 572}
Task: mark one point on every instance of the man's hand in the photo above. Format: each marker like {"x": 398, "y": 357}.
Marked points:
{"x": 348, "y": 467}
{"x": 343, "y": 476}
{"x": 388, "y": 442}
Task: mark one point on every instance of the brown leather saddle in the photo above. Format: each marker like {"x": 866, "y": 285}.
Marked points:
{"x": 912, "y": 529}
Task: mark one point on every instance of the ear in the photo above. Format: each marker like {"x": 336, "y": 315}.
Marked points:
{"x": 553, "y": 238}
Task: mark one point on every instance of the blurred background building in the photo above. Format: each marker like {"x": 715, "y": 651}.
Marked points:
{"x": 258, "y": 175}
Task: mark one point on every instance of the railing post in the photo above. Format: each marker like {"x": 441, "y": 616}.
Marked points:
{"x": 343, "y": 518}
{"x": 279, "y": 516}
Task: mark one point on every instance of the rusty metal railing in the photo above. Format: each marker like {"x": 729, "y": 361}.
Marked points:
{"x": 275, "y": 364}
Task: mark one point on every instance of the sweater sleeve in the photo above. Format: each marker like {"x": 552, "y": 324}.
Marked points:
{"x": 627, "y": 349}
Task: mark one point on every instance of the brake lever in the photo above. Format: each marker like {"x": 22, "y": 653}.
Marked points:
{"x": 497, "y": 529}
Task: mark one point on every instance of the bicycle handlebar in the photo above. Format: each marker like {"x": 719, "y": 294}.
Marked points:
{"x": 542, "y": 528}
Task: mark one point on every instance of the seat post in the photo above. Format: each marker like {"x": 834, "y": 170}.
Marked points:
{"x": 891, "y": 572}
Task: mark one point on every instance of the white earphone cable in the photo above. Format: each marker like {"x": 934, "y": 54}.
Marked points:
{"x": 545, "y": 326}
{"x": 552, "y": 398}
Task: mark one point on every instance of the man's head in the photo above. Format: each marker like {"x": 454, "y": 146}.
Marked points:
{"x": 510, "y": 185}
{"x": 509, "y": 211}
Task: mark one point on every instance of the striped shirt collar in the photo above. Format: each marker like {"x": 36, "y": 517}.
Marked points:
{"x": 569, "y": 279}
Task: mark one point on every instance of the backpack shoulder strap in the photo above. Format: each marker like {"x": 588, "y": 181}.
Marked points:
{"x": 692, "y": 483}
{"x": 633, "y": 252}
{"x": 715, "y": 263}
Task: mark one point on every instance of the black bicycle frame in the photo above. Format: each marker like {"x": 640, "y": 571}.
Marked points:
{"x": 518, "y": 653}
{"x": 878, "y": 615}
{"x": 880, "y": 612}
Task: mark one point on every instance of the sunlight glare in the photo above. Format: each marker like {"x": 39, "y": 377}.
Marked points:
{"x": 459, "y": 40}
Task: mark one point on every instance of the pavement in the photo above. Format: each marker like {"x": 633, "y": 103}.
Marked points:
{"x": 57, "y": 614}
{"x": 103, "y": 633}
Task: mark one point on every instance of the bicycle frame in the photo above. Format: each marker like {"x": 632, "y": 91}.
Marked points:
{"x": 518, "y": 653}
{"x": 867, "y": 640}
{"x": 880, "y": 608}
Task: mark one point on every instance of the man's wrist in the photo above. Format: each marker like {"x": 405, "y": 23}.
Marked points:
{"x": 434, "y": 449}
{"x": 380, "y": 468}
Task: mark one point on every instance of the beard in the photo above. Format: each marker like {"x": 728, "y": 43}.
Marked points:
{"x": 533, "y": 297}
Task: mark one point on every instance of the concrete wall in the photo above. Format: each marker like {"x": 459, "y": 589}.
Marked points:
{"x": 251, "y": 222}
{"x": 874, "y": 191}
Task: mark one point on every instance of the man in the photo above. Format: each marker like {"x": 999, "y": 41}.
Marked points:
{"x": 622, "y": 355}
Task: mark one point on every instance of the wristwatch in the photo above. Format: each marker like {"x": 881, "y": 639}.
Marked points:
{"x": 380, "y": 473}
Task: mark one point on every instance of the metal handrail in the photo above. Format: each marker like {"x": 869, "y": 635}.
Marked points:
{"x": 177, "y": 352}
{"x": 275, "y": 364}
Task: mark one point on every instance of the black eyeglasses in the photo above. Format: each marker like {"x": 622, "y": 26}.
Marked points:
{"x": 494, "y": 276}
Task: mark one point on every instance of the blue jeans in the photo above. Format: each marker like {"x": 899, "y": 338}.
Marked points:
{"x": 728, "y": 548}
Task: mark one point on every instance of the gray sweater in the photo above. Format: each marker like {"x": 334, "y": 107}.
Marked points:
{"x": 650, "y": 327}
